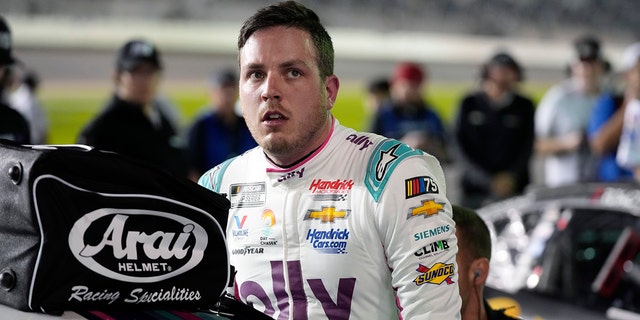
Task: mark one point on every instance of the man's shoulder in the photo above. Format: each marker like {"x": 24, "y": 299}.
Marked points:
{"x": 387, "y": 157}
{"x": 230, "y": 168}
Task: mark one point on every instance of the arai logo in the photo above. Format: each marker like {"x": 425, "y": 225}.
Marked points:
{"x": 137, "y": 245}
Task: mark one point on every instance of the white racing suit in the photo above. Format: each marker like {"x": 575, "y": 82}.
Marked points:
{"x": 360, "y": 229}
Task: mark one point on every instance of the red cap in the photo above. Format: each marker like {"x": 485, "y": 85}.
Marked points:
{"x": 408, "y": 71}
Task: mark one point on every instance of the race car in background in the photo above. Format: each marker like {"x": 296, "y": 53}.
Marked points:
{"x": 568, "y": 249}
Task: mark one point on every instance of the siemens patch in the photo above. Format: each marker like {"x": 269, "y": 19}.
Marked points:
{"x": 436, "y": 231}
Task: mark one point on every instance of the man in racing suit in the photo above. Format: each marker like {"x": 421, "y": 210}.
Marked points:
{"x": 326, "y": 222}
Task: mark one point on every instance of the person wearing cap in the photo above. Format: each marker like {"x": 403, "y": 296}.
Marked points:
{"x": 24, "y": 99}
{"x": 494, "y": 134}
{"x": 219, "y": 133}
{"x": 607, "y": 119}
{"x": 606, "y": 122}
{"x": 563, "y": 114}
{"x": 13, "y": 126}
{"x": 407, "y": 117}
{"x": 132, "y": 123}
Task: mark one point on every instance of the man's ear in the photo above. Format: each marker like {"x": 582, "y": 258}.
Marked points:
{"x": 331, "y": 85}
{"x": 480, "y": 269}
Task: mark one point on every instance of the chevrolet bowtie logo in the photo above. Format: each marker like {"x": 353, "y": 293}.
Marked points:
{"x": 428, "y": 208}
{"x": 327, "y": 214}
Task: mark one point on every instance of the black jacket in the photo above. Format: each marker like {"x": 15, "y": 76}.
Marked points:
{"x": 122, "y": 127}
{"x": 13, "y": 125}
{"x": 494, "y": 139}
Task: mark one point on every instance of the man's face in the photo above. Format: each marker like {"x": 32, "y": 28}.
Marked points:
{"x": 588, "y": 71}
{"x": 406, "y": 92}
{"x": 138, "y": 85}
{"x": 223, "y": 97}
{"x": 503, "y": 76}
{"x": 462, "y": 259}
{"x": 285, "y": 103}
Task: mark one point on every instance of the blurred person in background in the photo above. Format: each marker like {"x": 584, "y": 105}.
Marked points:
{"x": 494, "y": 134}
{"x": 474, "y": 256}
{"x": 378, "y": 94}
{"x": 219, "y": 133}
{"x": 563, "y": 114}
{"x": 628, "y": 151}
{"x": 407, "y": 117}
{"x": 13, "y": 126}
{"x": 24, "y": 98}
{"x": 132, "y": 123}
{"x": 605, "y": 125}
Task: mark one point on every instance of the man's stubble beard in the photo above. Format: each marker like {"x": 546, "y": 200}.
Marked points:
{"x": 283, "y": 146}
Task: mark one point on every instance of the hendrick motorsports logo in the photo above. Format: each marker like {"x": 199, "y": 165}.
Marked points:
{"x": 140, "y": 246}
{"x": 332, "y": 241}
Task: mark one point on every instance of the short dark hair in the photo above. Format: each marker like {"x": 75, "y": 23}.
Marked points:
{"x": 379, "y": 85}
{"x": 293, "y": 15}
{"x": 473, "y": 231}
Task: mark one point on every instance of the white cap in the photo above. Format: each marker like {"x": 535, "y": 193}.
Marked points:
{"x": 630, "y": 57}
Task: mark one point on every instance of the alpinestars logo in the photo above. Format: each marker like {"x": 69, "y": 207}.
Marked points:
{"x": 139, "y": 246}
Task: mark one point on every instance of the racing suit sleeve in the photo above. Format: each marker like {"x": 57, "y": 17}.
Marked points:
{"x": 414, "y": 219}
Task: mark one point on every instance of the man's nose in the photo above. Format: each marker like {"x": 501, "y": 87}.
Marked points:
{"x": 271, "y": 88}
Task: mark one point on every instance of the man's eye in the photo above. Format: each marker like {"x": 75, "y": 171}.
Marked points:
{"x": 294, "y": 73}
{"x": 256, "y": 75}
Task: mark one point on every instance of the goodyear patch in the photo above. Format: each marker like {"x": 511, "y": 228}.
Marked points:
{"x": 436, "y": 274}
{"x": 420, "y": 185}
{"x": 427, "y": 209}
{"x": 247, "y": 250}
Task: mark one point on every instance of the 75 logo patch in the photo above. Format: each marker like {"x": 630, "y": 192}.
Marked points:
{"x": 420, "y": 185}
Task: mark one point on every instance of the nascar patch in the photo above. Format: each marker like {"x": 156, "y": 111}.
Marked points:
{"x": 245, "y": 195}
{"x": 420, "y": 185}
